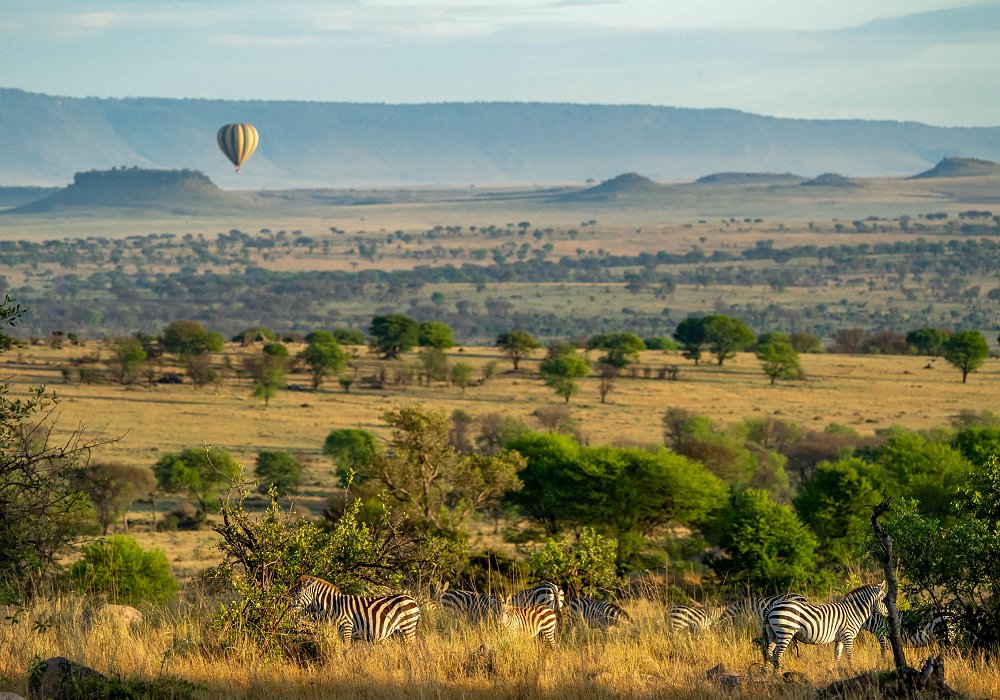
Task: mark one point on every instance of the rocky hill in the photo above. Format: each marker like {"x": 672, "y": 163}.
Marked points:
{"x": 961, "y": 167}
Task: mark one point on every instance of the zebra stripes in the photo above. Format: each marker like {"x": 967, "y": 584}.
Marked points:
{"x": 697, "y": 618}
{"x": 544, "y": 593}
{"x": 474, "y": 606}
{"x": 821, "y": 624}
{"x": 533, "y": 620}
{"x": 597, "y": 613}
{"x": 754, "y": 610}
{"x": 939, "y": 627}
{"x": 369, "y": 618}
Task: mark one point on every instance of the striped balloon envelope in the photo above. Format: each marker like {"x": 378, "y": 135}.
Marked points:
{"x": 238, "y": 142}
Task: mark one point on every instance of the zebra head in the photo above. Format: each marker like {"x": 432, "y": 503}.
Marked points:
{"x": 869, "y": 599}
{"x": 503, "y": 608}
{"x": 305, "y": 592}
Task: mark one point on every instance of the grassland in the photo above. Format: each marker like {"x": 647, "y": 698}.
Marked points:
{"x": 450, "y": 659}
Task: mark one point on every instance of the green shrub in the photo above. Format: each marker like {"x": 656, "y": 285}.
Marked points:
{"x": 280, "y": 469}
{"x": 119, "y": 569}
{"x": 583, "y": 566}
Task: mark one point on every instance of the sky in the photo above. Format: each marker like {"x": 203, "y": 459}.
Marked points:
{"x": 932, "y": 61}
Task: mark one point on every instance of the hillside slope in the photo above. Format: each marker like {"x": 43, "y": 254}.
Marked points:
{"x": 340, "y": 144}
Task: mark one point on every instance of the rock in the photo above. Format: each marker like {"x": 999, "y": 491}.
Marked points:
{"x": 7, "y": 695}
{"x": 58, "y": 679}
{"x": 124, "y": 615}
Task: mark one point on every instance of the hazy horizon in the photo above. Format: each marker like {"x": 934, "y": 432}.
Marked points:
{"x": 929, "y": 61}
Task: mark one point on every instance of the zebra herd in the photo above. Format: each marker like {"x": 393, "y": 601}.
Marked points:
{"x": 536, "y": 611}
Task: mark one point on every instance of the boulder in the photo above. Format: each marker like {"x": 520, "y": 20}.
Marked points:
{"x": 124, "y": 615}
{"x": 7, "y": 695}
{"x": 60, "y": 678}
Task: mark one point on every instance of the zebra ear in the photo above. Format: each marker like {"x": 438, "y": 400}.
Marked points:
{"x": 883, "y": 586}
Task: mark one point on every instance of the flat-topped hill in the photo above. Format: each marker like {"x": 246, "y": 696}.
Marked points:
{"x": 831, "y": 180}
{"x": 961, "y": 167}
{"x": 129, "y": 189}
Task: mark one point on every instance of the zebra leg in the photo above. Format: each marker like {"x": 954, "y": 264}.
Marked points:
{"x": 550, "y": 637}
{"x": 779, "y": 650}
{"x": 849, "y": 646}
{"x": 346, "y": 633}
{"x": 838, "y": 649}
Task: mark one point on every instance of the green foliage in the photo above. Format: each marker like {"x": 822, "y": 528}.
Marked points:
{"x": 266, "y": 553}
{"x": 661, "y": 342}
{"x": 690, "y": 333}
{"x": 429, "y": 480}
{"x": 352, "y": 449}
{"x": 927, "y": 341}
{"x": 779, "y": 360}
{"x": 267, "y": 370}
{"x": 127, "y": 358}
{"x": 912, "y": 466}
{"x": 348, "y": 336}
{"x": 393, "y": 334}
{"x": 560, "y": 372}
{"x": 435, "y": 334}
{"x": 966, "y": 350}
{"x": 836, "y": 501}
{"x": 629, "y": 493}
{"x": 117, "y": 688}
{"x": 111, "y": 488}
{"x": 188, "y": 338}
{"x": 622, "y": 349}
{"x": 41, "y": 510}
{"x": 725, "y": 336}
{"x": 583, "y": 566}
{"x": 771, "y": 337}
{"x": 280, "y": 470}
{"x": 435, "y": 364}
{"x": 120, "y": 570}
{"x": 978, "y": 443}
{"x": 517, "y": 345}
{"x": 252, "y": 335}
{"x": 956, "y": 563}
{"x": 805, "y": 342}
{"x": 766, "y": 546}
{"x": 461, "y": 375}
{"x": 323, "y": 355}
{"x": 201, "y": 472}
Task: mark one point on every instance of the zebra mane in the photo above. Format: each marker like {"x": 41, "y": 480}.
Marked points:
{"x": 860, "y": 590}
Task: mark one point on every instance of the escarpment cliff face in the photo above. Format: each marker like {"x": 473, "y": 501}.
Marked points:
{"x": 325, "y": 144}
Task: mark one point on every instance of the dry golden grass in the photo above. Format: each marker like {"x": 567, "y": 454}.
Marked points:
{"x": 450, "y": 659}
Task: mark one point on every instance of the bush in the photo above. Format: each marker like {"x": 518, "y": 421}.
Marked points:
{"x": 279, "y": 469}
{"x": 767, "y": 547}
{"x": 584, "y": 566}
{"x": 118, "y": 568}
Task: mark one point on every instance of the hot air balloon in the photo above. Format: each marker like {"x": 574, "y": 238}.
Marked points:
{"x": 238, "y": 142}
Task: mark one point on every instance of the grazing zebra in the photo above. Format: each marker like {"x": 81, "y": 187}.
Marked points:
{"x": 474, "y": 606}
{"x": 925, "y": 636}
{"x": 597, "y": 613}
{"x": 694, "y": 617}
{"x": 754, "y": 610}
{"x": 370, "y": 618}
{"x": 545, "y": 593}
{"x": 821, "y": 624}
{"x": 534, "y": 620}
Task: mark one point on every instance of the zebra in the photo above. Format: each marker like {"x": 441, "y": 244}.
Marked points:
{"x": 597, "y": 613}
{"x": 694, "y": 617}
{"x": 475, "y": 606}
{"x": 370, "y": 618}
{"x": 821, "y": 624}
{"x": 926, "y": 635}
{"x": 545, "y": 593}
{"x": 754, "y": 610}
{"x": 535, "y": 620}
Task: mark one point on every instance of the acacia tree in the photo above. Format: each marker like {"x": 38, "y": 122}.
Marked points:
{"x": 725, "y": 336}
{"x": 393, "y": 334}
{"x": 780, "y": 360}
{"x": 690, "y": 333}
{"x": 621, "y": 349}
{"x": 323, "y": 355}
{"x": 966, "y": 350}
{"x": 201, "y": 472}
{"x": 127, "y": 357}
{"x": 112, "y": 487}
{"x": 192, "y": 343}
{"x": 436, "y": 334}
{"x": 433, "y": 483}
{"x": 561, "y": 370}
{"x": 517, "y": 345}
{"x": 267, "y": 370}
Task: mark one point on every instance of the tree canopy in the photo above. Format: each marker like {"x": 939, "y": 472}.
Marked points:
{"x": 393, "y": 334}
